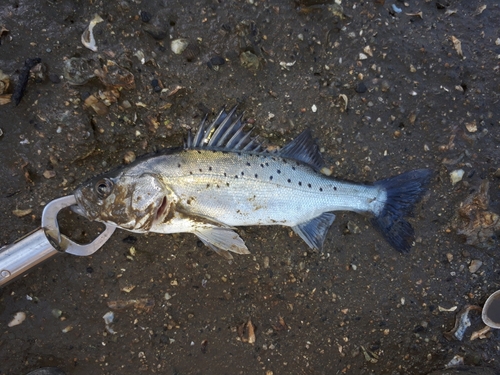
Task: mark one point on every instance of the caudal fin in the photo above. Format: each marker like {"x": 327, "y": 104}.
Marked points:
{"x": 403, "y": 192}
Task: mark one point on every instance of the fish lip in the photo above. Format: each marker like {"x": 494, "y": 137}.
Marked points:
{"x": 78, "y": 208}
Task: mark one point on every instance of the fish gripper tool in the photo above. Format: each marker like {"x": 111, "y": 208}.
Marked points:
{"x": 27, "y": 252}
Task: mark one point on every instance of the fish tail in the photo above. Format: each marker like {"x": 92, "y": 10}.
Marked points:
{"x": 403, "y": 192}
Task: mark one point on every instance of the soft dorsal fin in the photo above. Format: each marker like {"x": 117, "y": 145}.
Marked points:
{"x": 304, "y": 149}
{"x": 224, "y": 133}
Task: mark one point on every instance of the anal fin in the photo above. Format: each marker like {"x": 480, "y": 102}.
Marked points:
{"x": 222, "y": 240}
{"x": 313, "y": 232}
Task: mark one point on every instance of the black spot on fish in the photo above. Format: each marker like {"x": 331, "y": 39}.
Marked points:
{"x": 190, "y": 172}
{"x": 309, "y": 185}
{"x": 278, "y": 171}
{"x": 242, "y": 173}
{"x": 267, "y": 164}
{"x": 300, "y": 183}
{"x": 320, "y": 189}
{"x": 235, "y": 176}
{"x": 218, "y": 186}
{"x": 271, "y": 178}
{"x": 256, "y": 175}
{"x": 227, "y": 184}
{"x": 208, "y": 185}
{"x": 248, "y": 164}
{"x": 284, "y": 161}
{"x": 289, "y": 180}
{"x": 209, "y": 168}
{"x": 293, "y": 168}
{"x": 335, "y": 188}
{"x": 199, "y": 152}
{"x": 239, "y": 153}
{"x": 262, "y": 165}
{"x": 225, "y": 174}
{"x": 201, "y": 170}
{"x": 179, "y": 165}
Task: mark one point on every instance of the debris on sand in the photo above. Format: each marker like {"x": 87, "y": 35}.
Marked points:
{"x": 19, "y": 317}
{"x": 462, "y": 322}
{"x": 22, "y": 82}
{"x": 114, "y": 76}
{"x": 145, "y": 304}
{"x": 246, "y": 332}
{"x": 475, "y": 222}
{"x": 88, "y": 39}
{"x": 457, "y": 44}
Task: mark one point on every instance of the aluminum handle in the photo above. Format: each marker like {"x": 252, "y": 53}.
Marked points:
{"x": 18, "y": 258}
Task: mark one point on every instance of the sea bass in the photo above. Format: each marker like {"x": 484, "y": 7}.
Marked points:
{"x": 223, "y": 178}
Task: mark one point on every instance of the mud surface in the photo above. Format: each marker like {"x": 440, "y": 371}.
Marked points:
{"x": 357, "y": 308}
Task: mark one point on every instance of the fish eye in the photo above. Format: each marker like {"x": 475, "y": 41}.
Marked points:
{"x": 103, "y": 187}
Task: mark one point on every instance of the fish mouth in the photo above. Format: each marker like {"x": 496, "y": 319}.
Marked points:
{"x": 77, "y": 209}
{"x": 162, "y": 209}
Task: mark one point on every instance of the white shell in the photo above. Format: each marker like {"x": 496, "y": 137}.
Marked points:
{"x": 18, "y": 319}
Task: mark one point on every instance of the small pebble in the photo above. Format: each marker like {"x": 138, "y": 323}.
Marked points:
{"x": 360, "y": 88}
{"x": 217, "y": 60}
{"x": 456, "y": 176}
{"x": 145, "y": 16}
{"x": 49, "y": 174}
{"x": 475, "y": 264}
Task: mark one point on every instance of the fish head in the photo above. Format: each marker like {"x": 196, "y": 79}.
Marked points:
{"x": 129, "y": 201}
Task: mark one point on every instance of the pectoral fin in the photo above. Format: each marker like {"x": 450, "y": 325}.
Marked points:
{"x": 313, "y": 232}
{"x": 222, "y": 240}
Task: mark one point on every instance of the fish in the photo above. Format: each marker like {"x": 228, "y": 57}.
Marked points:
{"x": 223, "y": 178}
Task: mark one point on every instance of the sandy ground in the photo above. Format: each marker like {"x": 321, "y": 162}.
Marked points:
{"x": 385, "y": 87}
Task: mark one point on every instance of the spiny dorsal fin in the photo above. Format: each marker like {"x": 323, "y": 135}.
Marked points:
{"x": 304, "y": 149}
{"x": 224, "y": 133}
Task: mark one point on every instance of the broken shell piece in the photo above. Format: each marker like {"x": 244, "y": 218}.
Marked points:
{"x": 491, "y": 311}
{"x": 114, "y": 76}
{"x": 18, "y": 319}
{"x": 20, "y": 213}
{"x": 471, "y": 126}
{"x": 108, "y": 317}
{"x": 179, "y": 45}
{"x": 368, "y": 51}
{"x": 462, "y": 322}
{"x": 5, "y": 99}
{"x": 249, "y": 329}
{"x": 444, "y": 309}
{"x": 475, "y": 221}
{"x": 418, "y": 14}
{"x": 456, "y": 176}
{"x": 475, "y": 264}
{"x": 4, "y": 82}
{"x": 455, "y": 362}
{"x": 480, "y": 334}
{"x": 77, "y": 71}
{"x": 88, "y": 39}
{"x": 457, "y": 44}
{"x": 94, "y": 103}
